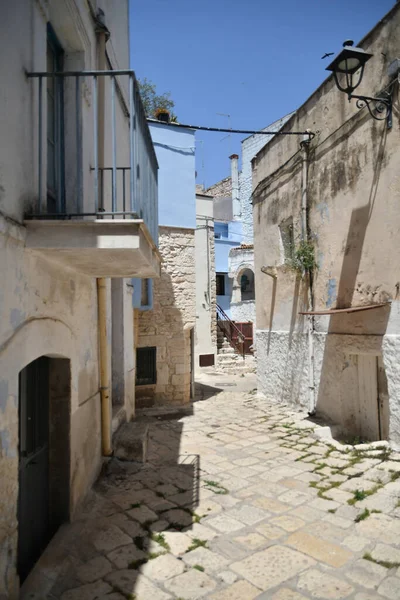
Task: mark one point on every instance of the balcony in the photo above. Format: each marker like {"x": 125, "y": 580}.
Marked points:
{"x": 96, "y": 209}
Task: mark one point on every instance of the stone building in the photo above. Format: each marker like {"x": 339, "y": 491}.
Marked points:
{"x": 234, "y": 230}
{"x": 60, "y": 316}
{"x": 338, "y": 194}
{"x": 206, "y": 320}
{"x": 166, "y": 317}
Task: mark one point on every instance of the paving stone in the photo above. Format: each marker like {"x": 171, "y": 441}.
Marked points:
{"x": 380, "y": 527}
{"x": 178, "y": 517}
{"x": 89, "y": 591}
{"x": 211, "y": 561}
{"x": 145, "y": 590}
{"x": 271, "y": 532}
{"x": 333, "y": 519}
{"x": 110, "y": 538}
{"x": 325, "y": 505}
{"x": 383, "y": 552}
{"x": 367, "y": 596}
{"x": 114, "y": 596}
{"x": 246, "y": 462}
{"x": 124, "y": 556}
{"x": 177, "y": 541}
{"x": 201, "y": 532}
{"x": 285, "y": 594}
{"x": 338, "y": 495}
{"x": 321, "y": 550}
{"x": 132, "y": 528}
{"x": 324, "y": 586}
{"x": 142, "y": 514}
{"x": 380, "y": 501}
{"x": 356, "y": 543}
{"x": 271, "y": 505}
{"x": 227, "y": 577}
{"x": 287, "y": 522}
{"x": 94, "y": 569}
{"x": 241, "y": 590}
{"x": 233, "y": 551}
{"x": 307, "y": 514}
{"x": 253, "y": 541}
{"x": 190, "y": 585}
{"x": 390, "y": 588}
{"x": 270, "y": 567}
{"x": 248, "y": 514}
{"x": 225, "y": 524}
{"x": 162, "y": 568}
{"x": 366, "y": 573}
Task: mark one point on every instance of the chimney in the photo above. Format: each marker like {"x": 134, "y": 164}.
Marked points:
{"x": 235, "y": 187}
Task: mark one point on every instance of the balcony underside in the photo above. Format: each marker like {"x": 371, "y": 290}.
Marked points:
{"x": 98, "y": 248}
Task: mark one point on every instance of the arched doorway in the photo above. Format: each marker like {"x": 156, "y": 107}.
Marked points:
{"x": 44, "y": 456}
{"x": 247, "y": 291}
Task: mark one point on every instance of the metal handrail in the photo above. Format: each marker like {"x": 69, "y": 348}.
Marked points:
{"x": 132, "y": 189}
{"x": 239, "y": 345}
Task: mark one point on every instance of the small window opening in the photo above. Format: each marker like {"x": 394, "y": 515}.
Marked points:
{"x": 220, "y": 282}
{"x": 146, "y": 366}
{"x": 287, "y": 238}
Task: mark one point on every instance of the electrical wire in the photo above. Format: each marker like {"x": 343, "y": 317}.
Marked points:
{"x": 241, "y": 131}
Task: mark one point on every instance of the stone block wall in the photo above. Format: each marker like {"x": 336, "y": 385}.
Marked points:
{"x": 168, "y": 325}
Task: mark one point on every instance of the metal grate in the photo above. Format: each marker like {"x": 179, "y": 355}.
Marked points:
{"x": 146, "y": 366}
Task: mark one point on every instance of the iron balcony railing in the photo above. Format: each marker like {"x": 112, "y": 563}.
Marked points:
{"x": 233, "y": 334}
{"x": 99, "y": 176}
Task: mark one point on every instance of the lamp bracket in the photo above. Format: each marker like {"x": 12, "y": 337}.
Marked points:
{"x": 379, "y": 108}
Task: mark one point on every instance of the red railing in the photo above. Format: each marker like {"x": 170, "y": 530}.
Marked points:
{"x": 233, "y": 334}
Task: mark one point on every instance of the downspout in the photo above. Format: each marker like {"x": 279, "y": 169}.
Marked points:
{"x": 310, "y": 319}
{"x": 104, "y": 358}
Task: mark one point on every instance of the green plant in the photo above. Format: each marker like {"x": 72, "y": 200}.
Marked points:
{"x": 160, "y": 539}
{"x": 135, "y": 564}
{"x": 383, "y": 563}
{"x": 362, "y": 516}
{"x": 215, "y": 487}
{"x": 197, "y": 543}
{"x": 198, "y": 567}
{"x": 304, "y": 257}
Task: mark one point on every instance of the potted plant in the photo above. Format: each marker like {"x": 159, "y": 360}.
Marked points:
{"x": 162, "y": 114}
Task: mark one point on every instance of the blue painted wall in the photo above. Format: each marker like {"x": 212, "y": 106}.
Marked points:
{"x": 228, "y": 235}
{"x": 175, "y": 149}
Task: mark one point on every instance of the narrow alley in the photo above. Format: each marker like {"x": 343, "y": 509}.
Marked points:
{"x": 239, "y": 499}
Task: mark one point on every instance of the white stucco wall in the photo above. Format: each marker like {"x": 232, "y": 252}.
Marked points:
{"x": 205, "y": 278}
{"x": 47, "y": 310}
{"x": 250, "y": 147}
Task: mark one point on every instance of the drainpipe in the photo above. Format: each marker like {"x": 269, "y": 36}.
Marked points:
{"x": 310, "y": 319}
{"x": 105, "y": 375}
{"x": 235, "y": 187}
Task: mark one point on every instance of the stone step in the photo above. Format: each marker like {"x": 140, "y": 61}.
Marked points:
{"x": 131, "y": 442}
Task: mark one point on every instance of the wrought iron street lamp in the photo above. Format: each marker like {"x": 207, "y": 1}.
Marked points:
{"x": 348, "y": 70}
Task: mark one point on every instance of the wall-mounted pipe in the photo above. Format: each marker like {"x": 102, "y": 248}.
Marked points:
{"x": 105, "y": 374}
{"x": 310, "y": 319}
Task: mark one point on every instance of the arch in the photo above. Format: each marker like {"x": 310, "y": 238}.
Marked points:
{"x": 246, "y": 281}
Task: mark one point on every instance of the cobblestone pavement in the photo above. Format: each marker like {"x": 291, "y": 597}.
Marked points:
{"x": 239, "y": 500}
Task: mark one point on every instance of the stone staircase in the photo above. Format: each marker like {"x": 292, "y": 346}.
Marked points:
{"x": 228, "y": 359}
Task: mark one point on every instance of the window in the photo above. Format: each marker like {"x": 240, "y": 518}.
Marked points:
{"x": 287, "y": 239}
{"x": 221, "y": 230}
{"x": 247, "y": 285}
{"x": 220, "y": 281}
{"x": 55, "y": 125}
{"x": 146, "y": 366}
{"x": 145, "y": 293}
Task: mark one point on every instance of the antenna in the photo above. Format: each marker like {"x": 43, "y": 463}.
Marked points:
{"x": 229, "y": 126}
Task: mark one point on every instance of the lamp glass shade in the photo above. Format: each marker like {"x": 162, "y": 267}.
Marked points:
{"x": 349, "y": 65}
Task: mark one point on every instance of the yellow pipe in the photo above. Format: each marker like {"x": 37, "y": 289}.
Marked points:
{"x": 105, "y": 374}
{"x": 104, "y": 367}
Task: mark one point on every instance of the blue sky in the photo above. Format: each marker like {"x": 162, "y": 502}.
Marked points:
{"x": 256, "y": 60}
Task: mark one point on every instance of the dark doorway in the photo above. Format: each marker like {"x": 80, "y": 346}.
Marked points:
{"x": 44, "y": 456}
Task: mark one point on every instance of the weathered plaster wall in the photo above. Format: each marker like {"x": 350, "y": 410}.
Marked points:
{"x": 250, "y": 146}
{"x": 206, "y": 335}
{"x": 354, "y": 215}
{"x": 241, "y": 258}
{"x": 167, "y": 326}
{"x": 44, "y": 311}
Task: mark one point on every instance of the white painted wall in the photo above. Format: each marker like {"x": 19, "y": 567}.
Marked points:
{"x": 205, "y": 340}
{"x": 46, "y": 309}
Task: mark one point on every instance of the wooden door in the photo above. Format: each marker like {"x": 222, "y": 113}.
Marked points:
{"x": 368, "y": 396}
{"x": 33, "y": 500}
